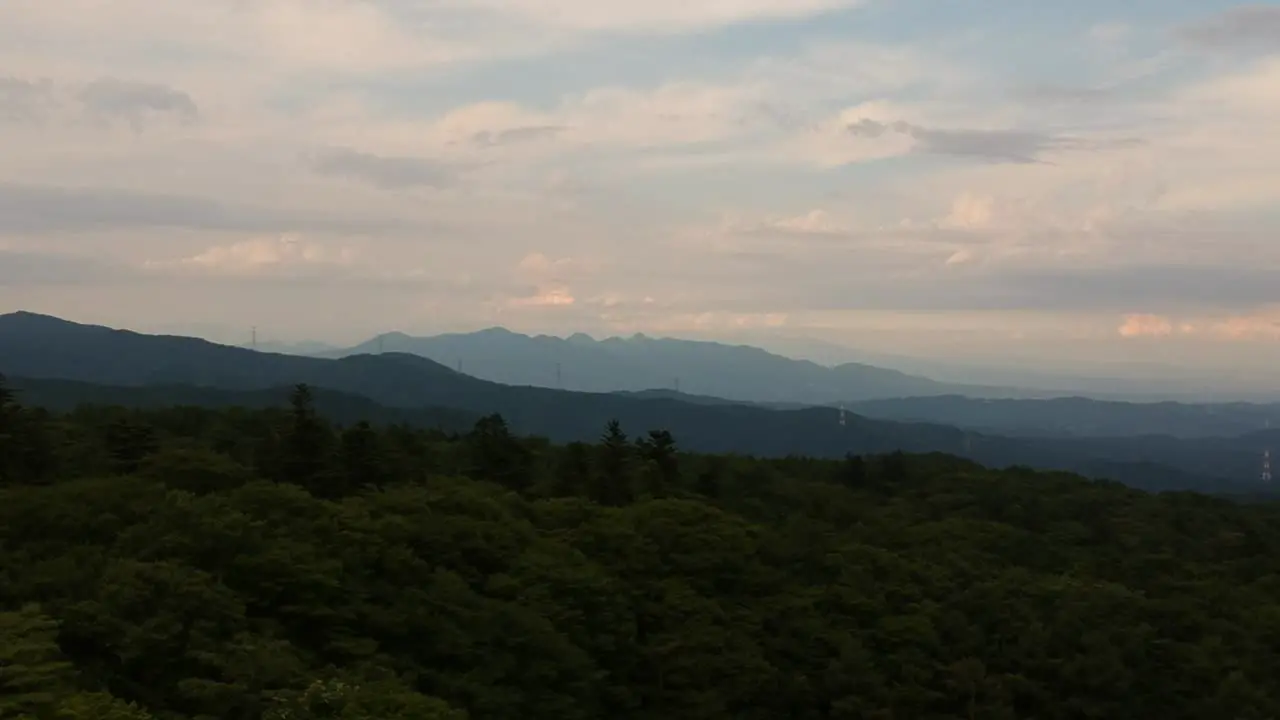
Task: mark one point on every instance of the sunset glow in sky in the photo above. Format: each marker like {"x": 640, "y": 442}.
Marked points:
{"x": 1055, "y": 184}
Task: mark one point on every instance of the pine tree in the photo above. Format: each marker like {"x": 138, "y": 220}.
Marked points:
{"x": 659, "y": 448}
{"x": 306, "y": 445}
{"x": 894, "y": 468}
{"x": 613, "y": 482}
{"x": 9, "y": 416}
{"x": 362, "y": 458}
{"x": 853, "y": 471}
{"x": 573, "y": 474}
{"x": 497, "y": 455}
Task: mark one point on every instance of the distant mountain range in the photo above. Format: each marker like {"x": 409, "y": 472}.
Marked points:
{"x": 1078, "y": 417}
{"x": 716, "y": 373}
{"x": 60, "y": 364}
{"x": 640, "y": 363}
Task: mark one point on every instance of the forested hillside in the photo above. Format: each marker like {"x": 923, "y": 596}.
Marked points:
{"x": 1225, "y": 466}
{"x": 262, "y": 563}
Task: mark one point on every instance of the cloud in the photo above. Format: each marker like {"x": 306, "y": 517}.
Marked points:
{"x": 715, "y": 158}
{"x": 1016, "y": 146}
{"x": 1239, "y": 28}
{"x": 24, "y": 100}
{"x": 1145, "y": 326}
{"x": 970, "y": 212}
{"x": 976, "y": 259}
{"x": 284, "y": 254}
{"x": 19, "y": 268}
{"x": 656, "y": 16}
{"x": 342, "y": 38}
{"x": 35, "y": 209}
{"x": 1259, "y": 326}
{"x": 1060, "y": 94}
{"x": 547, "y": 296}
{"x": 488, "y": 139}
{"x": 134, "y": 102}
{"x": 386, "y": 173}
{"x": 815, "y": 221}
{"x": 46, "y": 210}
{"x": 538, "y": 265}
{"x": 104, "y": 100}
{"x": 1262, "y": 325}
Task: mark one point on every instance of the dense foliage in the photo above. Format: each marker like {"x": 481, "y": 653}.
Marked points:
{"x": 234, "y": 563}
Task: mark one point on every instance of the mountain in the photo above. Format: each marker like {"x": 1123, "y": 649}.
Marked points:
{"x": 36, "y": 349}
{"x": 1077, "y": 416}
{"x": 639, "y": 362}
{"x": 342, "y": 408}
{"x": 41, "y": 347}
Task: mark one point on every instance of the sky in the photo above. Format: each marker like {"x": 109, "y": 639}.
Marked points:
{"x": 1070, "y": 186}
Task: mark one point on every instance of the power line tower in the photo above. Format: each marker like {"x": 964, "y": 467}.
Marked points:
{"x": 843, "y": 422}
{"x": 1266, "y": 466}
{"x": 253, "y": 338}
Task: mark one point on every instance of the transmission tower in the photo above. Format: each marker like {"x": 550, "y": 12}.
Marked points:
{"x": 1266, "y": 466}
{"x": 842, "y": 419}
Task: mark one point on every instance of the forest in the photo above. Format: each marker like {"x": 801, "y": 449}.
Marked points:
{"x": 181, "y": 562}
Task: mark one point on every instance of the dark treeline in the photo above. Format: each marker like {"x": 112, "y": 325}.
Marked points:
{"x": 233, "y": 563}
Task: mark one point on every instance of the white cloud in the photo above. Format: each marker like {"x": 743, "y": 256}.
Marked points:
{"x": 288, "y": 253}
{"x": 969, "y": 212}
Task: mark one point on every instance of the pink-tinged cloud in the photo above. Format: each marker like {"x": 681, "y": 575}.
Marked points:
{"x": 1141, "y": 325}
{"x": 1256, "y": 327}
{"x": 553, "y": 296}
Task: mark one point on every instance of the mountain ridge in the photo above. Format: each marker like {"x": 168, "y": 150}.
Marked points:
{"x": 639, "y": 362}
{"x": 48, "y": 348}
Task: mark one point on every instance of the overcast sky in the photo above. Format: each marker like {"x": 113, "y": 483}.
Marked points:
{"x": 1047, "y": 183}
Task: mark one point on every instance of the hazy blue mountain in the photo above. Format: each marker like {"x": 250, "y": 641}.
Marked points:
{"x": 1077, "y": 416}
{"x": 732, "y": 372}
{"x": 36, "y": 349}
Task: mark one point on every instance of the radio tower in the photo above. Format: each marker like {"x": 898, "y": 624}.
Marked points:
{"x": 1266, "y": 466}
